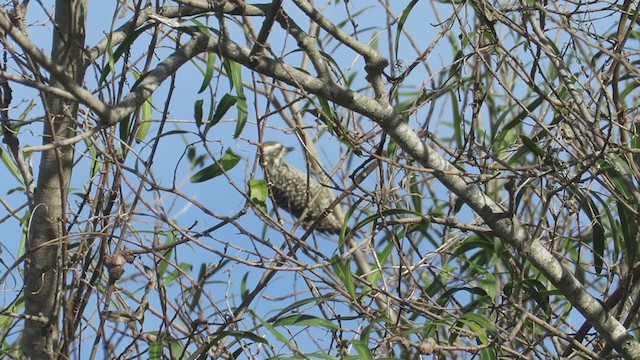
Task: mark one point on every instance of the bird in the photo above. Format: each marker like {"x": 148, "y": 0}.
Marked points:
{"x": 297, "y": 193}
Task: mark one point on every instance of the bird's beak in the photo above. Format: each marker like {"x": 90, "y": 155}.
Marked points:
{"x": 289, "y": 148}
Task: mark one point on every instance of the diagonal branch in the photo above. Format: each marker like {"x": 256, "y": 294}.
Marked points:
{"x": 500, "y": 220}
{"x": 503, "y": 224}
{"x": 261, "y": 41}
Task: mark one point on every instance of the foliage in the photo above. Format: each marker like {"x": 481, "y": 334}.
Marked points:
{"x": 485, "y": 158}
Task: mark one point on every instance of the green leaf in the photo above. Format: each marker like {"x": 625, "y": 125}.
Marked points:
{"x": 11, "y": 166}
{"x": 234, "y": 72}
{"x": 487, "y": 247}
{"x": 169, "y": 133}
{"x": 629, "y": 228}
{"x": 114, "y": 56}
{"x": 384, "y": 213}
{"x": 538, "y": 292}
{"x": 258, "y": 190}
{"x": 598, "y": 235}
{"x": 143, "y": 119}
{"x": 208, "y": 75}
{"x": 416, "y": 196}
{"x": 240, "y": 335}
{"x": 517, "y": 120}
{"x": 437, "y": 285}
{"x": 343, "y": 271}
{"x": 176, "y": 349}
{"x": 182, "y": 268}
{"x": 413, "y": 103}
{"x": 202, "y": 28}
{"x": 533, "y": 147}
{"x": 554, "y": 46}
{"x": 144, "y": 124}
{"x": 392, "y": 147}
{"x": 401, "y": 22}
{"x": 635, "y": 135}
{"x": 487, "y": 353}
{"x": 198, "y": 288}
{"x": 326, "y": 108}
{"x": 345, "y": 227}
{"x": 93, "y": 155}
{"x": 197, "y": 112}
{"x": 382, "y": 260}
{"x": 241, "y": 106}
{"x": 615, "y": 177}
{"x": 111, "y": 62}
{"x": 155, "y": 350}
{"x": 123, "y": 127}
{"x": 480, "y": 325}
{"x": 306, "y": 320}
{"x": 598, "y": 247}
{"x": 363, "y": 349}
{"x": 273, "y": 330}
{"x": 336, "y": 66}
{"x": 223, "y": 106}
{"x": 244, "y": 291}
{"x": 214, "y": 341}
{"x": 297, "y": 304}
{"x": 25, "y": 113}
{"x": 219, "y": 167}
{"x": 629, "y": 89}
{"x": 457, "y": 121}
{"x": 259, "y": 193}
{"x": 454, "y": 70}
{"x": 163, "y": 264}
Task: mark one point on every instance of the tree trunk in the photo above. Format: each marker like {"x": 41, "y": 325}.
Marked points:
{"x": 48, "y": 220}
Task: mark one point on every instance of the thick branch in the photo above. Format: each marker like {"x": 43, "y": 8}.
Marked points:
{"x": 497, "y": 218}
{"x": 43, "y": 273}
{"x": 54, "y": 68}
{"x": 501, "y": 222}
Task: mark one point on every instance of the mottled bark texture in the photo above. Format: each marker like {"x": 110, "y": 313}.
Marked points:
{"x": 48, "y": 221}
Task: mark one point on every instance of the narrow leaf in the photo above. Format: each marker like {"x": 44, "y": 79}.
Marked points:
{"x": 629, "y": 233}
{"x": 197, "y": 112}
{"x": 363, "y": 350}
{"x": 241, "y": 106}
{"x": 234, "y": 72}
{"x": 306, "y": 320}
{"x": 223, "y": 106}
{"x": 533, "y": 147}
{"x": 124, "y": 46}
{"x": 208, "y": 75}
{"x": 273, "y": 330}
{"x": 343, "y": 271}
{"x": 219, "y": 167}
{"x": 198, "y": 289}
{"x": 11, "y": 166}
{"x": 401, "y": 22}
{"x": 517, "y": 120}
{"x": 146, "y": 112}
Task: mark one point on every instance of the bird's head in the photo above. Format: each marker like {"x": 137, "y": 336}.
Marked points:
{"x": 274, "y": 152}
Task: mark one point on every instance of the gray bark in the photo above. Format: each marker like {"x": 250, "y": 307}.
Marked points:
{"x": 47, "y": 231}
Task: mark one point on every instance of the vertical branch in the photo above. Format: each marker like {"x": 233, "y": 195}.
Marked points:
{"x": 47, "y": 228}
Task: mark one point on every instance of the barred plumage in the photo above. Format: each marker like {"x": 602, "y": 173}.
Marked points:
{"x": 296, "y": 192}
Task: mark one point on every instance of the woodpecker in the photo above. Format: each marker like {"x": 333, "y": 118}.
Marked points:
{"x": 297, "y": 193}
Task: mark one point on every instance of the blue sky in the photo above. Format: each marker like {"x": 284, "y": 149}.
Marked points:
{"x": 219, "y": 195}
{"x": 172, "y": 168}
